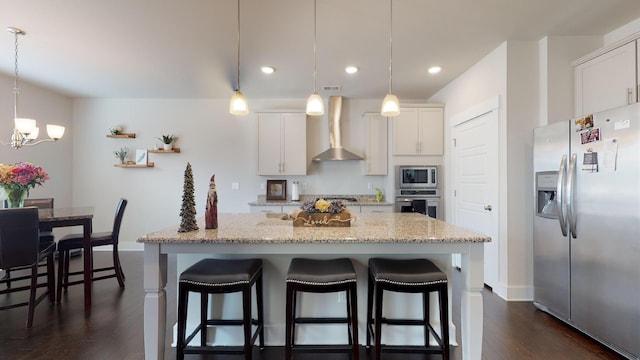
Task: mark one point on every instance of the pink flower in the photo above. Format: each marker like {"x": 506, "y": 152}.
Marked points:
{"x": 21, "y": 175}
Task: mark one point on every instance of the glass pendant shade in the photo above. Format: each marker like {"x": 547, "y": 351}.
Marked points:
{"x": 390, "y": 106}
{"x": 238, "y": 104}
{"x": 34, "y": 134}
{"x": 55, "y": 132}
{"x": 25, "y": 125}
{"x": 315, "y": 105}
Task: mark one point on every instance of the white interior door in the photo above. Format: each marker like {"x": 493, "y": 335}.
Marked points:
{"x": 475, "y": 162}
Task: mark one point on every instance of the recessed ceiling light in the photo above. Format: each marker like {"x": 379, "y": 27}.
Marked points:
{"x": 267, "y": 69}
{"x": 351, "y": 69}
{"x": 434, "y": 69}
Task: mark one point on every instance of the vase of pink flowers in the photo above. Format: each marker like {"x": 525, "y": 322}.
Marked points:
{"x": 16, "y": 180}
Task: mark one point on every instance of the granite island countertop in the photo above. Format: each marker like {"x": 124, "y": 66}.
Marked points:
{"x": 263, "y": 228}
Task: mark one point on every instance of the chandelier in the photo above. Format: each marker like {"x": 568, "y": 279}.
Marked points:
{"x": 25, "y": 131}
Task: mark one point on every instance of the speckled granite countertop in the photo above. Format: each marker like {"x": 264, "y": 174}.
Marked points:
{"x": 361, "y": 200}
{"x": 371, "y": 228}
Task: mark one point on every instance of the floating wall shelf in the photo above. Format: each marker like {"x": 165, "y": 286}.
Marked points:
{"x": 122, "y": 136}
{"x": 160, "y": 151}
{"x": 133, "y": 165}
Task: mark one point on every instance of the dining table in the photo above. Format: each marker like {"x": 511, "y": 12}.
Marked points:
{"x": 74, "y": 216}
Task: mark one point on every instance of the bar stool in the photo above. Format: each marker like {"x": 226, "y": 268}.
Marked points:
{"x": 321, "y": 276}
{"x": 408, "y": 276}
{"x": 216, "y": 276}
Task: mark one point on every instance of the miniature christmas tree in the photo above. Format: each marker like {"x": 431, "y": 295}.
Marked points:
{"x": 188, "y": 210}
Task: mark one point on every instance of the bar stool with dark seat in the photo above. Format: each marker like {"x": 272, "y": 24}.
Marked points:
{"x": 407, "y": 276}
{"x": 321, "y": 276}
{"x": 219, "y": 276}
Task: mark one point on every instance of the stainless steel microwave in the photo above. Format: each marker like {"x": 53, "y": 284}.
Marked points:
{"x": 411, "y": 177}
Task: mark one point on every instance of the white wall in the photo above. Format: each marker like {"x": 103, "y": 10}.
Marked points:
{"x": 213, "y": 141}
{"x": 522, "y": 116}
{"x": 47, "y": 107}
{"x": 510, "y": 73}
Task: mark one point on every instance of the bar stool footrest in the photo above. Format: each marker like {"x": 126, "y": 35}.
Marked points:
{"x": 337, "y": 320}
{"x": 411, "y": 349}
{"x": 322, "y": 348}
{"x": 432, "y": 331}
{"x": 239, "y": 349}
{"x": 229, "y": 322}
{"x": 411, "y": 322}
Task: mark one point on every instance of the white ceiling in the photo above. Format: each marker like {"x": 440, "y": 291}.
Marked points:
{"x": 187, "y": 49}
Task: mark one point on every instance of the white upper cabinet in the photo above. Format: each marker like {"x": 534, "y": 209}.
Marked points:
{"x": 282, "y": 144}
{"x": 376, "y": 153}
{"x": 419, "y": 131}
{"x": 606, "y": 81}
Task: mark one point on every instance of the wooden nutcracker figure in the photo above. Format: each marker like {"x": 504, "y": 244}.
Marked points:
{"x": 211, "y": 213}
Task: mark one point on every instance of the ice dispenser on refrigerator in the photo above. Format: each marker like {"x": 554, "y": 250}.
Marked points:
{"x": 546, "y": 194}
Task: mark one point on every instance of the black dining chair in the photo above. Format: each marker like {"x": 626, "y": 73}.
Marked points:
{"x": 46, "y": 235}
{"x": 20, "y": 248}
{"x": 75, "y": 241}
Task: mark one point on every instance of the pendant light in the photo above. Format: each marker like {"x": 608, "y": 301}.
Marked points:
{"x": 25, "y": 131}
{"x": 390, "y": 104}
{"x": 315, "y": 105}
{"x": 238, "y": 104}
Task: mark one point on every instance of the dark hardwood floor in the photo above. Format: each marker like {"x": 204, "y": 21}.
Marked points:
{"x": 114, "y": 330}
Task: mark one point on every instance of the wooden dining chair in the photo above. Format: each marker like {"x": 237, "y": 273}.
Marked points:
{"x": 20, "y": 247}
{"x": 75, "y": 241}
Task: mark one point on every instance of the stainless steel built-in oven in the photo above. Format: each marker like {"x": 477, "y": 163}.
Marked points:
{"x": 426, "y": 204}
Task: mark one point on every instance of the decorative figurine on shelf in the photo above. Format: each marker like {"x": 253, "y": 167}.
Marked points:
{"x": 188, "y": 210}
{"x": 211, "y": 214}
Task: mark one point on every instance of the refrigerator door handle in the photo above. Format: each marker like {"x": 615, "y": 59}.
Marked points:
{"x": 571, "y": 184}
{"x": 560, "y": 195}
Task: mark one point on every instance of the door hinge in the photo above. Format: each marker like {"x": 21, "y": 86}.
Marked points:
{"x": 454, "y": 142}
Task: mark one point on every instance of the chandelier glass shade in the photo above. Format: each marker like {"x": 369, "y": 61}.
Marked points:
{"x": 26, "y": 131}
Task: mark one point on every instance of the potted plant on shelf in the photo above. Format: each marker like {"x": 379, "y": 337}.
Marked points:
{"x": 122, "y": 154}
{"x": 167, "y": 141}
{"x": 115, "y": 130}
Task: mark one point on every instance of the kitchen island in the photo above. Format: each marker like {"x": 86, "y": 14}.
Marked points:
{"x": 376, "y": 234}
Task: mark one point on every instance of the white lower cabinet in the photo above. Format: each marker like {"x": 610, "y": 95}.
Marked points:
{"x": 288, "y": 208}
{"x": 376, "y": 209}
{"x": 265, "y": 209}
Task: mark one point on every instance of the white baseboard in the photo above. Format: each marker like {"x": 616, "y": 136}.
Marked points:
{"x": 514, "y": 293}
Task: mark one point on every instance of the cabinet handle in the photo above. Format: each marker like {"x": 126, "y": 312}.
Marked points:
{"x": 630, "y": 99}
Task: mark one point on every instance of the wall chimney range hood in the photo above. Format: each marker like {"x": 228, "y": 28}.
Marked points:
{"x": 335, "y": 152}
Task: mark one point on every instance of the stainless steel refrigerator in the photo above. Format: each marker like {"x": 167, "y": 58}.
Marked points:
{"x": 587, "y": 225}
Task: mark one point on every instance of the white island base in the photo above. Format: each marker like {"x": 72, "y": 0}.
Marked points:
{"x": 276, "y": 241}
